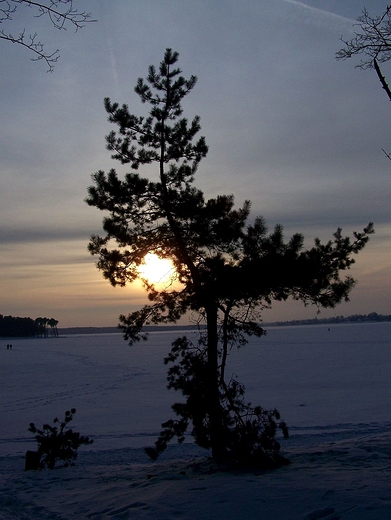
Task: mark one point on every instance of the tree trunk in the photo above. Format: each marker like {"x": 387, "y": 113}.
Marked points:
{"x": 382, "y": 78}
{"x": 214, "y": 408}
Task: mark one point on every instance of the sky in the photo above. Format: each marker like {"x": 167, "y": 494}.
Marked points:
{"x": 288, "y": 127}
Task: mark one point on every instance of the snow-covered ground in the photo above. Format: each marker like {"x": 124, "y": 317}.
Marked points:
{"x": 333, "y": 388}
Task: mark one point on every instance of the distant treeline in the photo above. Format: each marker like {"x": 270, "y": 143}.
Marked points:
{"x": 355, "y": 318}
{"x": 117, "y": 330}
{"x": 13, "y": 327}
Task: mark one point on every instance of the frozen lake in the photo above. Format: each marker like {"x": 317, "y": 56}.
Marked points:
{"x": 331, "y": 386}
{"x": 318, "y": 377}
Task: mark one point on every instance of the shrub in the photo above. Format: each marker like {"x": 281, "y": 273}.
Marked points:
{"x": 248, "y": 434}
{"x": 58, "y": 442}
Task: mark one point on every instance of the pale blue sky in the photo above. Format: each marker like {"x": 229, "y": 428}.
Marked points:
{"x": 288, "y": 127}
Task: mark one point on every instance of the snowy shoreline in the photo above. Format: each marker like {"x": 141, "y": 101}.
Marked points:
{"x": 335, "y": 477}
{"x": 332, "y": 387}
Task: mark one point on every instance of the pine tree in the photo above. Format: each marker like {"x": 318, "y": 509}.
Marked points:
{"x": 229, "y": 270}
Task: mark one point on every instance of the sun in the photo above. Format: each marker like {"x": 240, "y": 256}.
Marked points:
{"x": 157, "y": 270}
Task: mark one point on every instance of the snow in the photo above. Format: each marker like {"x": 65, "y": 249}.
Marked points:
{"x": 331, "y": 386}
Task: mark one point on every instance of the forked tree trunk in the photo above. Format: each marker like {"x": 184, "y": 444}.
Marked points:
{"x": 214, "y": 408}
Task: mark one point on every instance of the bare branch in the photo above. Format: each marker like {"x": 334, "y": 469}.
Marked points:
{"x": 373, "y": 40}
{"x": 387, "y": 154}
{"x": 6, "y": 10}
{"x": 61, "y": 13}
{"x": 35, "y": 46}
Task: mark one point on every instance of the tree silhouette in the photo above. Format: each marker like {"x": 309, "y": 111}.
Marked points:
{"x": 372, "y": 41}
{"x": 41, "y": 324}
{"x": 58, "y": 442}
{"x": 228, "y": 270}
{"x": 14, "y": 326}
{"x": 53, "y": 325}
{"x": 60, "y": 13}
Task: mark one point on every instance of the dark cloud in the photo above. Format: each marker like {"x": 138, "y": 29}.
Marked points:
{"x": 15, "y": 235}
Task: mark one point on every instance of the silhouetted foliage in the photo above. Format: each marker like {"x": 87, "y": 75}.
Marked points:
{"x": 60, "y": 14}
{"x": 11, "y": 327}
{"x": 58, "y": 443}
{"x": 228, "y": 270}
{"x": 42, "y": 325}
{"x": 249, "y": 432}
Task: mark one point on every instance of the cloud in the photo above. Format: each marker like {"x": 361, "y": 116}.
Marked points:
{"x": 288, "y": 127}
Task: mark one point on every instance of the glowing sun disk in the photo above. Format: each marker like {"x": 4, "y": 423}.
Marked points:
{"x": 156, "y": 270}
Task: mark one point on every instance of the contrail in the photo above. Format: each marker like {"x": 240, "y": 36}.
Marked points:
{"x": 112, "y": 59}
{"x": 113, "y": 62}
{"x": 320, "y": 11}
